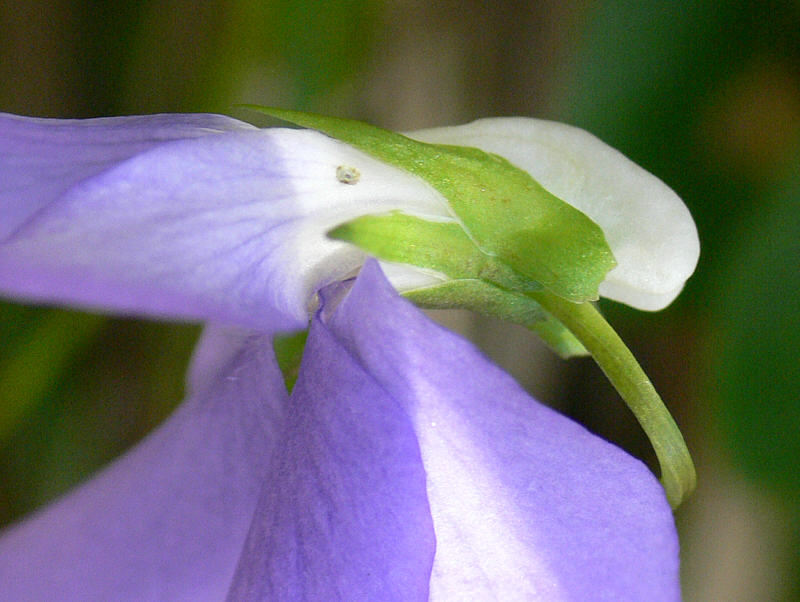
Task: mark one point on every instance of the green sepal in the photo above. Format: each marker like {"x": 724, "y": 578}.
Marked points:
{"x": 480, "y": 297}
{"x": 478, "y": 282}
{"x": 559, "y": 338}
{"x": 487, "y": 299}
{"x": 502, "y": 208}
{"x": 440, "y": 246}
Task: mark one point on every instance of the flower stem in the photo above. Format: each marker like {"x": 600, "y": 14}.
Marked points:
{"x": 590, "y": 328}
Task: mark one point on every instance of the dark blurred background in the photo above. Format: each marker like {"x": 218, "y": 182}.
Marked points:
{"x": 703, "y": 93}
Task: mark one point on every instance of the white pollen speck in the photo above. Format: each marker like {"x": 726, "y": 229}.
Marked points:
{"x": 347, "y": 175}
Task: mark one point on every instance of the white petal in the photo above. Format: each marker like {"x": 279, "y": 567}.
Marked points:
{"x": 648, "y": 228}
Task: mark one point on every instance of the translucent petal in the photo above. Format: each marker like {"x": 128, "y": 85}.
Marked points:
{"x": 526, "y": 504}
{"x": 344, "y": 514}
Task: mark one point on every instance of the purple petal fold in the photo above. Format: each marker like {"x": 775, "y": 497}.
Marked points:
{"x": 166, "y": 521}
{"x": 344, "y": 515}
{"x": 526, "y": 504}
{"x": 196, "y": 217}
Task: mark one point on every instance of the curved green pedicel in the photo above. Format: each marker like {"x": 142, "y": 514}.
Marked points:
{"x": 678, "y": 475}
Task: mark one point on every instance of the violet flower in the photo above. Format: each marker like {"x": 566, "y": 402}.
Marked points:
{"x": 403, "y": 465}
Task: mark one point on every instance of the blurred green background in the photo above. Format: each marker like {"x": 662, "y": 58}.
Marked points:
{"x": 703, "y": 93}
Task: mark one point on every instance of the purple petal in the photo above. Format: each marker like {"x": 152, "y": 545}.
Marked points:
{"x": 167, "y": 521}
{"x": 526, "y": 504}
{"x": 148, "y": 215}
{"x": 41, "y": 159}
{"x": 345, "y": 514}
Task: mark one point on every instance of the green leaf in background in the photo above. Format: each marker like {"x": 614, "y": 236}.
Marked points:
{"x": 324, "y": 43}
{"x": 647, "y": 76}
{"x": 33, "y": 361}
{"x": 502, "y": 208}
{"x": 757, "y": 364}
